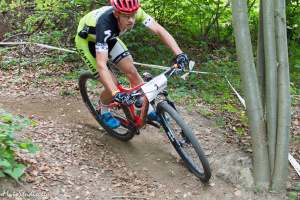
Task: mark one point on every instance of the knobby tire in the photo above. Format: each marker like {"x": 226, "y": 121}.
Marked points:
{"x": 85, "y": 97}
{"x": 167, "y": 113}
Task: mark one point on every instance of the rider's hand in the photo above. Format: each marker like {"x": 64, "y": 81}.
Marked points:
{"x": 123, "y": 98}
{"x": 181, "y": 60}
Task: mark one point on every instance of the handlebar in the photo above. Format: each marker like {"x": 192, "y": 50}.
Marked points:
{"x": 152, "y": 88}
{"x": 169, "y": 72}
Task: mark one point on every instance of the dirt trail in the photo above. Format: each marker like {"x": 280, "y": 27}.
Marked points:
{"x": 93, "y": 165}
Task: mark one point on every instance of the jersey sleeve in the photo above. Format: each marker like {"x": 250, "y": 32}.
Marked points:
{"x": 144, "y": 18}
{"x": 103, "y": 34}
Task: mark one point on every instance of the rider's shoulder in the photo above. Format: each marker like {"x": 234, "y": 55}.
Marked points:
{"x": 94, "y": 16}
{"x": 143, "y": 17}
{"x": 98, "y": 12}
{"x": 141, "y": 12}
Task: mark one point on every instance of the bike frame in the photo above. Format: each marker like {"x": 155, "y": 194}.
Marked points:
{"x": 149, "y": 91}
{"x": 138, "y": 118}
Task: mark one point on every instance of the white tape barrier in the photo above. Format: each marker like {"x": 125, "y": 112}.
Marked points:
{"x": 242, "y": 100}
{"x": 292, "y": 160}
{"x": 37, "y": 44}
{"x": 295, "y": 164}
{"x": 164, "y": 68}
{"x": 191, "y": 67}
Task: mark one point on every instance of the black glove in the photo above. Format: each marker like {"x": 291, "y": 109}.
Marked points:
{"x": 123, "y": 98}
{"x": 181, "y": 60}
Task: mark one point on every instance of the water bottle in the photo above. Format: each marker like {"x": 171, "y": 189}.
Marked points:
{"x": 138, "y": 104}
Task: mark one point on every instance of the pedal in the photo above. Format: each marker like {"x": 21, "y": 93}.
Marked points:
{"x": 153, "y": 123}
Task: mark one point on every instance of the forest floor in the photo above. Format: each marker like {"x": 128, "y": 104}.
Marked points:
{"x": 78, "y": 160}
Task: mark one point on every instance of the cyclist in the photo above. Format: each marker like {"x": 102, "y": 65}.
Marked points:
{"x": 97, "y": 40}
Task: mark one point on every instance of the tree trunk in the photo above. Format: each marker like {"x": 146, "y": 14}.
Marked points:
{"x": 280, "y": 175}
{"x": 271, "y": 77}
{"x": 252, "y": 94}
{"x": 260, "y": 67}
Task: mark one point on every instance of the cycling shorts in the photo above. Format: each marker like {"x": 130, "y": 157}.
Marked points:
{"x": 117, "y": 50}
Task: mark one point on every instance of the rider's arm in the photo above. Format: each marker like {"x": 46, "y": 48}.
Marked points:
{"x": 165, "y": 37}
{"x": 104, "y": 30}
{"x": 105, "y": 75}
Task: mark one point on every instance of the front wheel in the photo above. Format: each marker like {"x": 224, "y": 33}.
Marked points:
{"x": 184, "y": 141}
{"x": 90, "y": 89}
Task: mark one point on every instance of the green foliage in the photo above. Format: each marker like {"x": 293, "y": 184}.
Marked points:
{"x": 199, "y": 19}
{"x": 40, "y": 60}
{"x": 47, "y": 21}
{"x": 190, "y": 21}
{"x": 293, "y": 196}
{"x": 205, "y": 112}
{"x": 294, "y": 53}
{"x": 293, "y": 20}
{"x": 66, "y": 92}
{"x": 230, "y": 108}
{"x": 55, "y": 22}
{"x": 9, "y": 124}
{"x": 73, "y": 75}
{"x": 154, "y": 52}
{"x": 296, "y": 138}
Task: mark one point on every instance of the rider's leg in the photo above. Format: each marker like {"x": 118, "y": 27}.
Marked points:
{"x": 122, "y": 58}
{"x": 127, "y": 67}
{"x": 105, "y": 96}
{"x": 87, "y": 51}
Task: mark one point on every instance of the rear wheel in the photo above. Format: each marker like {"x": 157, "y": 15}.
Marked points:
{"x": 90, "y": 89}
{"x": 184, "y": 141}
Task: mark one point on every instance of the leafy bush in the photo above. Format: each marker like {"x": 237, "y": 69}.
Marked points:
{"x": 49, "y": 21}
{"x": 9, "y": 124}
{"x": 295, "y": 66}
{"x": 293, "y": 20}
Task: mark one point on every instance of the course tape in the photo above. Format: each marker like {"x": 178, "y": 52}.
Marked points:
{"x": 291, "y": 159}
{"x": 37, "y": 44}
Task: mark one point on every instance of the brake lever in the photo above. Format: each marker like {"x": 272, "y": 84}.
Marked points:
{"x": 191, "y": 66}
{"x": 170, "y": 71}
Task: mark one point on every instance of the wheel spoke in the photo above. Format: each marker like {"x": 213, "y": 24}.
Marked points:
{"x": 185, "y": 142}
{"x": 91, "y": 89}
{"x": 187, "y": 147}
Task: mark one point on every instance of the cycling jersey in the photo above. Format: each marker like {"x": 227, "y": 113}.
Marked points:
{"x": 98, "y": 31}
{"x": 103, "y": 26}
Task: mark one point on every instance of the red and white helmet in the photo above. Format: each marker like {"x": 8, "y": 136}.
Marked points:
{"x": 125, "y": 6}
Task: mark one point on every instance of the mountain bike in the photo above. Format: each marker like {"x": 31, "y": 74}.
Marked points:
{"x": 134, "y": 117}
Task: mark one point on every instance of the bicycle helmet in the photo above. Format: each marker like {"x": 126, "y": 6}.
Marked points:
{"x": 125, "y": 6}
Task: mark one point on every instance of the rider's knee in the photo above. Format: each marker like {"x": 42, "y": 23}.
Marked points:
{"x": 131, "y": 71}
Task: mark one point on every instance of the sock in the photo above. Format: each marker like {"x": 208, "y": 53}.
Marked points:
{"x": 104, "y": 108}
{"x": 150, "y": 109}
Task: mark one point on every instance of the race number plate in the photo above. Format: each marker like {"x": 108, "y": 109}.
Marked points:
{"x": 155, "y": 86}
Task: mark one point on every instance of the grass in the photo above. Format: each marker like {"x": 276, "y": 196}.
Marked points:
{"x": 296, "y": 138}
{"x": 66, "y": 93}
{"x": 293, "y": 194}
{"x": 205, "y": 112}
